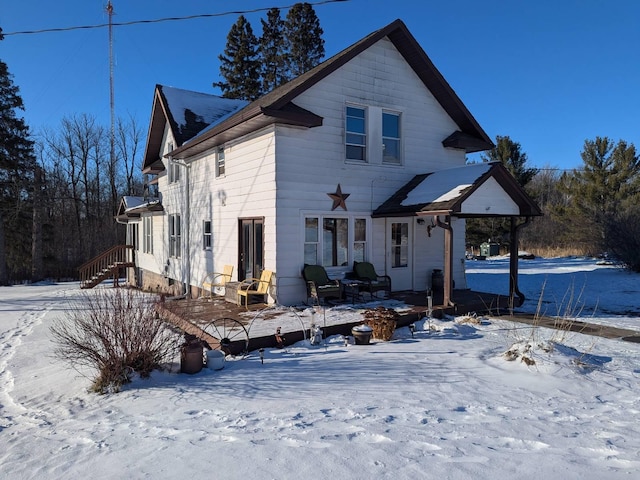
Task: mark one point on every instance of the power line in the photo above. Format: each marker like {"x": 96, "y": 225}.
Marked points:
{"x": 160, "y": 20}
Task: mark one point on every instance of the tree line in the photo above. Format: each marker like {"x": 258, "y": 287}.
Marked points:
{"x": 60, "y": 188}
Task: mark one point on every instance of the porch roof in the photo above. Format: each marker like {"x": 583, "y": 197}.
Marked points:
{"x": 477, "y": 190}
{"x": 131, "y": 207}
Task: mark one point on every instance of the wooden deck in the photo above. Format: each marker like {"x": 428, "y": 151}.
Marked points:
{"x": 191, "y": 315}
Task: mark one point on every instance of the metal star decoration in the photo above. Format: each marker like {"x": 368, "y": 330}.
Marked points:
{"x": 339, "y": 198}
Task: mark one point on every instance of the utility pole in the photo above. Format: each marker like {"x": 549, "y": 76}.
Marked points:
{"x": 112, "y": 135}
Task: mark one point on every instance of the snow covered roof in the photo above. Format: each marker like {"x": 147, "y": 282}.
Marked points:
{"x": 131, "y": 207}
{"x": 461, "y": 191}
{"x": 192, "y": 112}
{"x": 188, "y": 114}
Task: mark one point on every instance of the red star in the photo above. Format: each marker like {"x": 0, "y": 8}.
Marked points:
{"x": 339, "y": 198}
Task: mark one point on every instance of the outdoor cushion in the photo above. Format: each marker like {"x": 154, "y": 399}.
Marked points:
{"x": 318, "y": 283}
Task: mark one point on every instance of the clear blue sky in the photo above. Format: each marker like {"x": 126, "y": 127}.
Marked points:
{"x": 548, "y": 73}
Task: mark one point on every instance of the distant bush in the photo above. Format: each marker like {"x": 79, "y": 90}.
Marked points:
{"x": 116, "y": 333}
{"x": 623, "y": 237}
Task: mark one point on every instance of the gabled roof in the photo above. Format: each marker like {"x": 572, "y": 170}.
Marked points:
{"x": 445, "y": 192}
{"x": 131, "y": 207}
{"x": 188, "y": 113}
{"x": 277, "y": 105}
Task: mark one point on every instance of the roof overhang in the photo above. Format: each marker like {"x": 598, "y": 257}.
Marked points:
{"x": 471, "y": 191}
{"x": 131, "y": 208}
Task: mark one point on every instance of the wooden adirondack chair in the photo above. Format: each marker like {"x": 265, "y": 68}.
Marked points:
{"x": 252, "y": 287}
{"x": 216, "y": 280}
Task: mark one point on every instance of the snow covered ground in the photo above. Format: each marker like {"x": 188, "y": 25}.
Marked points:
{"x": 444, "y": 403}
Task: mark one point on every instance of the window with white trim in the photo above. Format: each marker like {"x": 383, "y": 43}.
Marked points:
{"x": 220, "y": 166}
{"x": 174, "y": 235}
{"x": 206, "y": 234}
{"x": 334, "y": 241}
{"x": 391, "y": 138}
{"x": 147, "y": 234}
{"x": 173, "y": 167}
{"x": 359, "y": 239}
{"x": 132, "y": 235}
{"x": 356, "y": 133}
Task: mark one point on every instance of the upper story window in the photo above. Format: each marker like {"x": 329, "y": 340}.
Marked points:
{"x": 174, "y": 171}
{"x": 220, "y": 162}
{"x": 356, "y": 134}
{"x": 173, "y": 167}
{"x": 391, "y": 138}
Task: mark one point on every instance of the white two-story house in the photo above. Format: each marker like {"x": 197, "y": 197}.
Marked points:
{"x": 360, "y": 159}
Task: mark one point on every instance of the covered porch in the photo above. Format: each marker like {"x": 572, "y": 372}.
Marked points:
{"x": 482, "y": 190}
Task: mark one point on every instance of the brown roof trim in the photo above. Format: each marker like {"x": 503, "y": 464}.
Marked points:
{"x": 244, "y": 122}
{"x": 393, "y": 206}
{"x": 156, "y": 131}
{"x": 466, "y": 142}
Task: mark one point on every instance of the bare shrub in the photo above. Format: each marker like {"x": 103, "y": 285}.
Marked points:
{"x": 115, "y": 333}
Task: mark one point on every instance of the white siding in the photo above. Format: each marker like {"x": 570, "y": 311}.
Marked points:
{"x": 282, "y": 173}
{"x": 311, "y": 162}
{"x": 490, "y": 198}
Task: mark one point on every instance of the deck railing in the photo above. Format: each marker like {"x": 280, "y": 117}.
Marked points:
{"x": 106, "y": 265}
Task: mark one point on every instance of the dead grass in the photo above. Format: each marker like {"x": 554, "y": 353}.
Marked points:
{"x": 557, "y": 252}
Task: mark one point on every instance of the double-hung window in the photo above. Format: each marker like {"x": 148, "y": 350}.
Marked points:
{"x": 173, "y": 167}
{"x": 174, "y": 235}
{"x": 356, "y": 133}
{"x": 147, "y": 234}
{"x": 391, "y": 138}
{"x": 206, "y": 234}
{"x": 220, "y": 167}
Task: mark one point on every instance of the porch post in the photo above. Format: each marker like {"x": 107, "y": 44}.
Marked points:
{"x": 513, "y": 263}
{"x": 448, "y": 260}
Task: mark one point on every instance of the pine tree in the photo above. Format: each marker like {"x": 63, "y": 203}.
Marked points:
{"x": 16, "y": 169}
{"x": 239, "y": 65}
{"x": 304, "y": 39}
{"x": 607, "y": 183}
{"x": 511, "y": 155}
{"x": 273, "y": 52}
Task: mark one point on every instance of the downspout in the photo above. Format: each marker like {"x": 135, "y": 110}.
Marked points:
{"x": 448, "y": 260}
{"x": 187, "y": 227}
{"x": 513, "y": 262}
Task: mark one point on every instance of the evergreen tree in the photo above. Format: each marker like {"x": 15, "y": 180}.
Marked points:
{"x": 273, "y": 52}
{"x": 511, "y": 155}
{"x": 304, "y": 39}
{"x": 607, "y": 183}
{"x": 16, "y": 169}
{"x": 239, "y": 65}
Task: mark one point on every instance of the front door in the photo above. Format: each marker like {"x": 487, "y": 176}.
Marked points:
{"x": 251, "y": 248}
{"x": 399, "y": 258}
